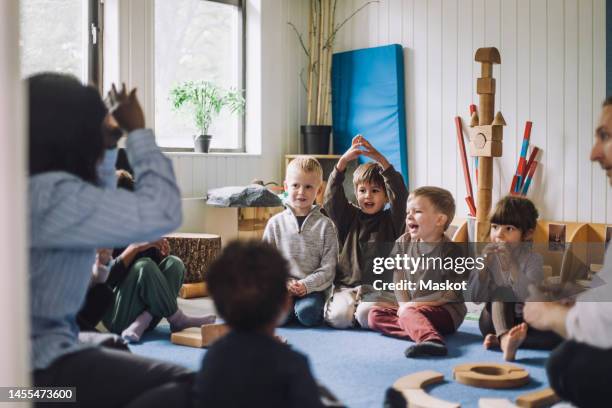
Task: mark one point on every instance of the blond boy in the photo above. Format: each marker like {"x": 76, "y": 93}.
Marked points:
{"x": 307, "y": 239}
{"x": 424, "y": 315}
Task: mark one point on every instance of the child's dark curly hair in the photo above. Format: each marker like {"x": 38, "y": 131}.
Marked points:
{"x": 248, "y": 283}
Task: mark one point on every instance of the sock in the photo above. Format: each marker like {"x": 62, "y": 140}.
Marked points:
{"x": 135, "y": 330}
{"x": 426, "y": 348}
{"x": 100, "y": 274}
{"x": 180, "y": 321}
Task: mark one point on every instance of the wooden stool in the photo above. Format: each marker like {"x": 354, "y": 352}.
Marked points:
{"x": 197, "y": 251}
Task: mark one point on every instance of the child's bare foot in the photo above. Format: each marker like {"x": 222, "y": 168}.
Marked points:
{"x": 490, "y": 341}
{"x": 511, "y": 341}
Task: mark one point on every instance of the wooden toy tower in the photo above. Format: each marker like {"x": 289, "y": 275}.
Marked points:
{"x": 486, "y": 136}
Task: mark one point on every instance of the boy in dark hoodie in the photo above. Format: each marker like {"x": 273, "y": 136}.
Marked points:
{"x": 361, "y": 230}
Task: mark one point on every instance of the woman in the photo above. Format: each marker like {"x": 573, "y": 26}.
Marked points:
{"x": 579, "y": 369}
{"x": 72, "y": 151}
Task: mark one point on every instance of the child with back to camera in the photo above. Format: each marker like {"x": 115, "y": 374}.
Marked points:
{"x": 248, "y": 367}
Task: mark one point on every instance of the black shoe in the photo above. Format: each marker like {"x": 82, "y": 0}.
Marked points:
{"x": 426, "y": 348}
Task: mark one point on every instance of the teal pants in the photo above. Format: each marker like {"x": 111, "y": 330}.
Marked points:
{"x": 147, "y": 287}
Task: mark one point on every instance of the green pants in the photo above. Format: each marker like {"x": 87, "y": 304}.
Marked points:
{"x": 147, "y": 287}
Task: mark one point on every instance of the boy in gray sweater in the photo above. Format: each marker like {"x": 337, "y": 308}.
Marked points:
{"x": 307, "y": 239}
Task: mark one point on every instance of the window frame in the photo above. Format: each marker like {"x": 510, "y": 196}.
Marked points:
{"x": 241, "y": 5}
{"x": 95, "y": 44}
{"x": 92, "y": 73}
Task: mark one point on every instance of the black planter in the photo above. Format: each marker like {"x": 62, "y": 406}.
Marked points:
{"x": 201, "y": 143}
{"x": 316, "y": 138}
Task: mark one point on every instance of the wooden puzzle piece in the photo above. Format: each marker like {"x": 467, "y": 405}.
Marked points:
{"x": 495, "y": 403}
{"x": 418, "y": 398}
{"x": 537, "y": 399}
{"x": 411, "y": 386}
{"x": 491, "y": 375}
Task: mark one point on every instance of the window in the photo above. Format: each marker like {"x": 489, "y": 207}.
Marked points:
{"x": 198, "y": 40}
{"x": 55, "y": 36}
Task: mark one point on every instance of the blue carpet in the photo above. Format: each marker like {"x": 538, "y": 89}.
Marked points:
{"x": 359, "y": 365}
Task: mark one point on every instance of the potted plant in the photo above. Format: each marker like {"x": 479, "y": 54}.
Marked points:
{"x": 204, "y": 100}
{"x": 322, "y": 31}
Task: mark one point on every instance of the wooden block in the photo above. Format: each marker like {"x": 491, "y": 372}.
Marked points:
{"x": 197, "y": 251}
{"x": 485, "y": 86}
{"x": 495, "y": 403}
{"x": 191, "y": 337}
{"x": 213, "y": 332}
{"x": 200, "y": 337}
{"x": 418, "y": 380}
{"x": 537, "y": 399}
{"x": 193, "y": 290}
{"x": 252, "y": 221}
{"x": 488, "y": 149}
{"x": 488, "y": 54}
{"x": 595, "y": 268}
{"x": 499, "y": 119}
{"x": 417, "y": 398}
{"x": 474, "y": 119}
{"x": 491, "y": 375}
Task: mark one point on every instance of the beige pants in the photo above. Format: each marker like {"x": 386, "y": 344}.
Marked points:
{"x": 349, "y": 307}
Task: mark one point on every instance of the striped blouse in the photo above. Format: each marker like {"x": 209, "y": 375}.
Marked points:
{"x": 70, "y": 218}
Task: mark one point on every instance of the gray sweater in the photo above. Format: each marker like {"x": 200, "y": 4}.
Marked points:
{"x": 312, "y": 250}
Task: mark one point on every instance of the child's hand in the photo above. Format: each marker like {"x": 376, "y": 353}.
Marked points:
{"x": 351, "y": 154}
{"x": 125, "y": 108}
{"x": 372, "y": 153}
{"x": 103, "y": 256}
{"x": 162, "y": 246}
{"x": 297, "y": 288}
{"x": 403, "y": 306}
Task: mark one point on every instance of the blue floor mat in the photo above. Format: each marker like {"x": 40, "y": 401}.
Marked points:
{"x": 359, "y": 365}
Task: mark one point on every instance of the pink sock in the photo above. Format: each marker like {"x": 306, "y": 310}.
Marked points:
{"x": 180, "y": 321}
{"x": 135, "y": 330}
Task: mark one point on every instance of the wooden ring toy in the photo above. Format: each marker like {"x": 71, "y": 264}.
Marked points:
{"x": 491, "y": 375}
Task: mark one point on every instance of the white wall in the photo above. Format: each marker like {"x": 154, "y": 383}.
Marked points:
{"x": 14, "y": 338}
{"x": 552, "y": 72}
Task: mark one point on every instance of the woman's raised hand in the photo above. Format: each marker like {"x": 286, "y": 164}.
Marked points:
{"x": 125, "y": 108}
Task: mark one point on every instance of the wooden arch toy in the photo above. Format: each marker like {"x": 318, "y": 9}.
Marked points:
{"x": 491, "y": 375}
{"x": 412, "y": 387}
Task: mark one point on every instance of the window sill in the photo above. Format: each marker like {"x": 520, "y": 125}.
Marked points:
{"x": 171, "y": 152}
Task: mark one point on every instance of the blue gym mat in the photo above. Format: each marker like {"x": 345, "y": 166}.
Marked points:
{"x": 359, "y": 365}
{"x": 368, "y": 98}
